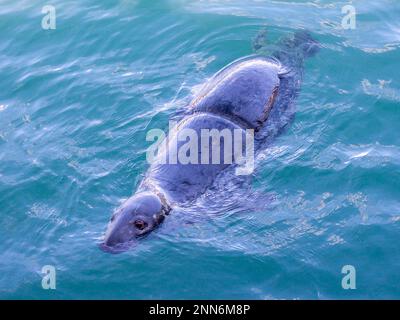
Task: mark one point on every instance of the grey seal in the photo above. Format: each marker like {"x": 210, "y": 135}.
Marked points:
{"x": 243, "y": 95}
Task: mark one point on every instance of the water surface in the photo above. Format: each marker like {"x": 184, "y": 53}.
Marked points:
{"x": 76, "y": 104}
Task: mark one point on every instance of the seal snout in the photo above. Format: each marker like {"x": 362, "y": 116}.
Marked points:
{"x": 116, "y": 248}
{"x": 119, "y": 235}
{"x": 114, "y": 239}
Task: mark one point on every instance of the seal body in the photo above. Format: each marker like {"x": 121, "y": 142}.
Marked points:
{"x": 239, "y": 97}
{"x": 254, "y": 93}
{"x": 244, "y": 91}
{"x": 181, "y": 182}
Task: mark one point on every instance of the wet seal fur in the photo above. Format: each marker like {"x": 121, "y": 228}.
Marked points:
{"x": 243, "y": 95}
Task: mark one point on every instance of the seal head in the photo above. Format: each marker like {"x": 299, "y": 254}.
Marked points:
{"x": 136, "y": 217}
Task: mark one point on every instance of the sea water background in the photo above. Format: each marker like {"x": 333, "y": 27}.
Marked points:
{"x": 76, "y": 104}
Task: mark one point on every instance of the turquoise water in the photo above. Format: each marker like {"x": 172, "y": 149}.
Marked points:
{"x": 76, "y": 104}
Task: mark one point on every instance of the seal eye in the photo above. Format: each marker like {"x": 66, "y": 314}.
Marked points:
{"x": 140, "y": 224}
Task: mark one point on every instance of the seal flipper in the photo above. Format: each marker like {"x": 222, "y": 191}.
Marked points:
{"x": 293, "y": 50}
{"x": 308, "y": 45}
{"x": 260, "y": 40}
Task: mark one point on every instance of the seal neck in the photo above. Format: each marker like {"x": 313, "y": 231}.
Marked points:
{"x": 166, "y": 206}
